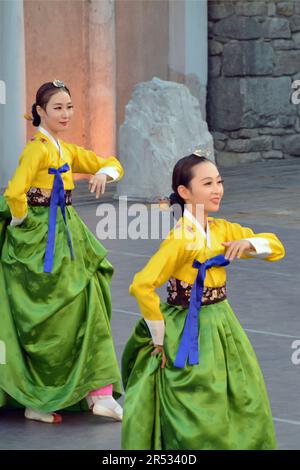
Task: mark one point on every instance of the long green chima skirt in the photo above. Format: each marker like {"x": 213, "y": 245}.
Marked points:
{"x": 219, "y": 404}
{"x": 55, "y": 337}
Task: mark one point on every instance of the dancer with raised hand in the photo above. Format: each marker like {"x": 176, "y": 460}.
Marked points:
{"x": 190, "y": 374}
{"x": 54, "y": 276}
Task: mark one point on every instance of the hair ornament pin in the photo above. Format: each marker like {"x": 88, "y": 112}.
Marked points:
{"x": 202, "y": 152}
{"x": 58, "y": 83}
{"x": 164, "y": 203}
{"x": 28, "y": 117}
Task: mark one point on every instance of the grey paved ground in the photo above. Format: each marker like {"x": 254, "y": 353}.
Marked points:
{"x": 265, "y": 297}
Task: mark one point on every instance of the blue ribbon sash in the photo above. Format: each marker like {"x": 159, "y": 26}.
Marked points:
{"x": 188, "y": 347}
{"x": 57, "y": 199}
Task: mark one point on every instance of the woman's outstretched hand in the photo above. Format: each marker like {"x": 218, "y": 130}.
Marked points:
{"x": 97, "y": 183}
{"x": 158, "y": 350}
{"x": 235, "y": 249}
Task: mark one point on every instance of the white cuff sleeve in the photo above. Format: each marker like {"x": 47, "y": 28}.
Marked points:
{"x": 110, "y": 171}
{"x": 17, "y": 221}
{"x": 261, "y": 245}
{"x": 157, "y": 330}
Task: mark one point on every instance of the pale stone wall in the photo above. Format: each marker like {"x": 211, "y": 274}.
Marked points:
{"x": 74, "y": 41}
{"x": 188, "y": 47}
{"x": 142, "y": 46}
{"x": 56, "y": 47}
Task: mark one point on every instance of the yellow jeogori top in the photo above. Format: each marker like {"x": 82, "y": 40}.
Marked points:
{"x": 38, "y": 156}
{"x": 185, "y": 243}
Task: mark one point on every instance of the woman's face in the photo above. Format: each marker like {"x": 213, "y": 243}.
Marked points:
{"x": 58, "y": 113}
{"x": 205, "y": 188}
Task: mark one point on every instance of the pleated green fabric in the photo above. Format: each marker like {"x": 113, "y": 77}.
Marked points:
{"x": 219, "y": 404}
{"x": 55, "y": 326}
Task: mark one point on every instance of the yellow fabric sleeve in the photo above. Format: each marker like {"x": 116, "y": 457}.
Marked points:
{"x": 86, "y": 161}
{"x": 30, "y": 162}
{"x": 156, "y": 272}
{"x": 236, "y": 231}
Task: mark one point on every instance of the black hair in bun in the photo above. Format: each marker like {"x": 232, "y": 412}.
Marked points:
{"x": 177, "y": 201}
{"x": 36, "y": 120}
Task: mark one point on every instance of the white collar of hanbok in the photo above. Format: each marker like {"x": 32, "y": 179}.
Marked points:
{"x": 188, "y": 215}
{"x": 55, "y": 142}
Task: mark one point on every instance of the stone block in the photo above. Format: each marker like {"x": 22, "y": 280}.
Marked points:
{"x": 276, "y": 28}
{"x": 285, "y": 8}
{"x": 219, "y": 144}
{"x": 214, "y": 66}
{"x": 271, "y": 9}
{"x": 215, "y": 47}
{"x": 247, "y": 58}
{"x": 244, "y": 134}
{"x": 291, "y": 145}
{"x": 296, "y": 40}
{"x": 286, "y": 63}
{"x": 224, "y": 104}
{"x": 256, "y": 144}
{"x": 218, "y": 11}
{"x": 272, "y": 154}
{"x": 295, "y": 23}
{"x": 238, "y": 27}
{"x": 219, "y": 136}
{"x": 283, "y": 44}
{"x": 235, "y": 103}
{"x": 276, "y": 131}
{"x": 231, "y": 159}
{"x": 246, "y": 8}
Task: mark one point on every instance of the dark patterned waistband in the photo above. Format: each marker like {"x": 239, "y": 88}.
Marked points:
{"x": 179, "y": 293}
{"x": 42, "y": 197}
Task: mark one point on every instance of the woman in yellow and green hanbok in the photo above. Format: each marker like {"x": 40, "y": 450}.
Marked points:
{"x": 191, "y": 377}
{"x": 54, "y": 276}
